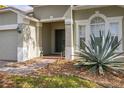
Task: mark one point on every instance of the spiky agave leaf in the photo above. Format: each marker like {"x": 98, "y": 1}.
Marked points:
{"x": 100, "y": 55}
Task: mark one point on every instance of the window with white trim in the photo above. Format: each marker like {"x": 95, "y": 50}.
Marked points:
{"x": 99, "y": 22}
{"x": 82, "y": 29}
{"x": 114, "y": 29}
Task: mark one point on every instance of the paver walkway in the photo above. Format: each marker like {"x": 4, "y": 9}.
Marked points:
{"x": 23, "y": 70}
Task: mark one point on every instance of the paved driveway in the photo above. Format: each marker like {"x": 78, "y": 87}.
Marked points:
{"x": 4, "y": 63}
{"x": 27, "y": 69}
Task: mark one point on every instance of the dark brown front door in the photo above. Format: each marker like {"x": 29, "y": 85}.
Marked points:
{"x": 59, "y": 40}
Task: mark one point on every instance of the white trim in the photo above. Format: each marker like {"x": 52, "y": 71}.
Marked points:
{"x": 117, "y": 19}
{"x": 80, "y": 23}
{"x": 32, "y": 19}
{"x": 97, "y": 14}
{"x": 68, "y": 21}
{"x": 53, "y": 19}
{"x": 20, "y": 18}
{"x": 7, "y": 27}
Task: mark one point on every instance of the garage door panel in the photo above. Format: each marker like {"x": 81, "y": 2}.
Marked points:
{"x": 8, "y": 45}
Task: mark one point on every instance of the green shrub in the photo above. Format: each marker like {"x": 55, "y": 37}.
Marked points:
{"x": 100, "y": 53}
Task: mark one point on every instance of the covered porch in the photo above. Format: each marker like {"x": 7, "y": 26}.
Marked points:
{"x": 55, "y": 39}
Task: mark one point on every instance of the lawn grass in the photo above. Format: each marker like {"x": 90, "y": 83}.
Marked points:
{"x": 51, "y": 82}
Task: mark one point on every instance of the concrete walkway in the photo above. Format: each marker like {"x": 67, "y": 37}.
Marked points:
{"x": 24, "y": 70}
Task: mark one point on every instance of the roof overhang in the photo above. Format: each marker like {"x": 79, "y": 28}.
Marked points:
{"x": 81, "y": 7}
{"x": 18, "y": 12}
{"x": 38, "y": 5}
{"x": 11, "y": 9}
{"x": 32, "y": 19}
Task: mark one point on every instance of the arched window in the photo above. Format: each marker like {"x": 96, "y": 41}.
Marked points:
{"x": 97, "y": 24}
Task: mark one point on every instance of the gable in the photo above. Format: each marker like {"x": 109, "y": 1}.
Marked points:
{"x": 51, "y": 11}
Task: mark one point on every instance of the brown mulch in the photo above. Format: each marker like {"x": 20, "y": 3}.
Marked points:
{"x": 5, "y": 81}
{"x": 68, "y": 68}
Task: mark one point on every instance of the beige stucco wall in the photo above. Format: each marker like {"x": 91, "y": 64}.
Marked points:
{"x": 46, "y": 38}
{"x": 8, "y": 45}
{"x": 7, "y": 18}
{"x": 44, "y": 12}
{"x": 67, "y": 15}
{"x": 109, "y": 11}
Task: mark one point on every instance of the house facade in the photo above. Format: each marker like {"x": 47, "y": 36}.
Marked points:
{"x": 55, "y": 29}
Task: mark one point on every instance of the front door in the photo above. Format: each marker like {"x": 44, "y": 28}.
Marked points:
{"x": 59, "y": 40}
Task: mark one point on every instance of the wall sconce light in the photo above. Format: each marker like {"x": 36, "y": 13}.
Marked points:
{"x": 19, "y": 30}
{"x": 21, "y": 27}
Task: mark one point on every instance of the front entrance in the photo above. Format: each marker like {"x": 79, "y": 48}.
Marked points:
{"x": 59, "y": 40}
{"x": 53, "y": 38}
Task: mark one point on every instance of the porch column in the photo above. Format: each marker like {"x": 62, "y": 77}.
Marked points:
{"x": 69, "y": 49}
{"x": 38, "y": 38}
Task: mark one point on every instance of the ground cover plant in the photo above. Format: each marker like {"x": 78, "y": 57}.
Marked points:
{"x": 56, "y": 81}
{"x": 59, "y": 81}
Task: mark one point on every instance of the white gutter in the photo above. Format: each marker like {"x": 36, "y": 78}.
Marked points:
{"x": 31, "y": 18}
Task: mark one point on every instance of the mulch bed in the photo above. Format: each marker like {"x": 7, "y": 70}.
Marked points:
{"x": 62, "y": 67}
{"x": 5, "y": 81}
{"x": 67, "y": 68}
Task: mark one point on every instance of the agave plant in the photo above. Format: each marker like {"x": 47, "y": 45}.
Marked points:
{"x": 100, "y": 55}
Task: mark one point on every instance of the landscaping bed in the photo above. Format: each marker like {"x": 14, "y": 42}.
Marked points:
{"x": 68, "y": 68}
{"x": 60, "y": 74}
{"x": 57, "y": 81}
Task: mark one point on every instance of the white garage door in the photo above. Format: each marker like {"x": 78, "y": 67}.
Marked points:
{"x": 8, "y": 45}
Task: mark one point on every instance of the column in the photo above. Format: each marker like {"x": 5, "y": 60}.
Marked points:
{"x": 69, "y": 49}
